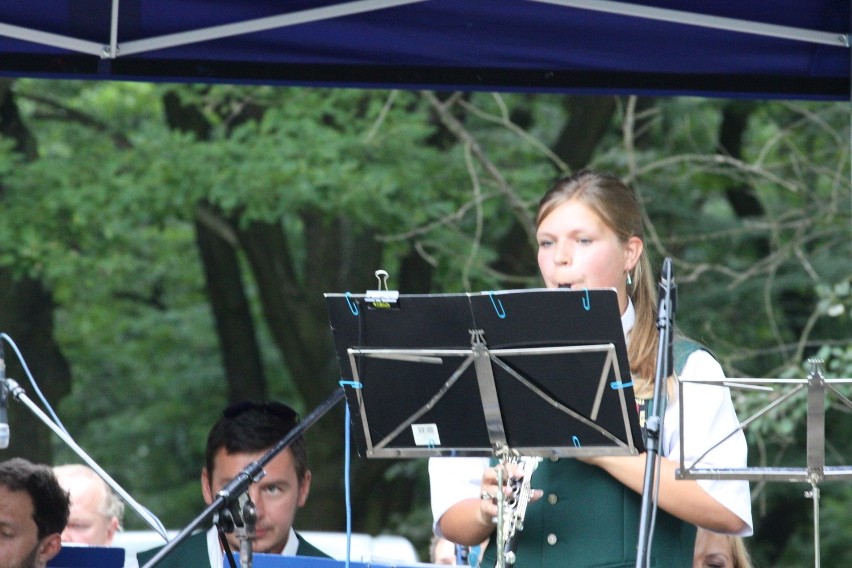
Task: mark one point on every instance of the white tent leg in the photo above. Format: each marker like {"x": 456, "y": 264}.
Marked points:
{"x": 112, "y": 50}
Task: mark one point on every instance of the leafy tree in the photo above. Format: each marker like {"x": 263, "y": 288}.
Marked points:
{"x": 182, "y": 237}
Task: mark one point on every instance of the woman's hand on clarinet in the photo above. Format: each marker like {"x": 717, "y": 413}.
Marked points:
{"x": 488, "y": 491}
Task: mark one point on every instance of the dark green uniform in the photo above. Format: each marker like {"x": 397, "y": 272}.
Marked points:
{"x": 587, "y": 519}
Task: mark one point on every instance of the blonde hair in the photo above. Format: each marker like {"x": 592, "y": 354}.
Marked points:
{"x": 736, "y": 547}
{"x": 739, "y": 552}
{"x": 617, "y": 206}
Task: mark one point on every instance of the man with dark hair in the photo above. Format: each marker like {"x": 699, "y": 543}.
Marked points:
{"x": 242, "y": 435}
{"x": 33, "y": 513}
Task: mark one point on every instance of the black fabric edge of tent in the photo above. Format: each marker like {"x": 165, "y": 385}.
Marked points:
{"x": 438, "y": 78}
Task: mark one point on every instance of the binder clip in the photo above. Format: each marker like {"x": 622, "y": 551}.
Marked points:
{"x": 382, "y": 299}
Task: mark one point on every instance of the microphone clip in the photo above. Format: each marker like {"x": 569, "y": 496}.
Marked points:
{"x": 239, "y": 517}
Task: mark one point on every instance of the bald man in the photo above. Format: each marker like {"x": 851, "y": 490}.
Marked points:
{"x": 95, "y": 510}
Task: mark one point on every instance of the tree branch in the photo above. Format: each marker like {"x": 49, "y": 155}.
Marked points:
{"x": 67, "y": 113}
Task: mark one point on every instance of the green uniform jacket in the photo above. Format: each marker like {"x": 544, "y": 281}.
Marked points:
{"x": 193, "y": 553}
{"x": 587, "y": 519}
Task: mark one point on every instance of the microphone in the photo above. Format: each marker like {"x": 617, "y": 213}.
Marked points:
{"x": 666, "y": 311}
{"x": 4, "y": 402}
{"x": 667, "y": 282}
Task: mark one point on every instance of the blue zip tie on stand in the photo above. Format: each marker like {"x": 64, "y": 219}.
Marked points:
{"x": 501, "y": 313}
{"x": 353, "y": 307}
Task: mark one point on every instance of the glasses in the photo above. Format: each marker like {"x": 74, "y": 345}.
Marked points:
{"x": 277, "y": 409}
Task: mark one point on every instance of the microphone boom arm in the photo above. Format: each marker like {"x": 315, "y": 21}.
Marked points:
{"x": 252, "y": 472}
{"x": 17, "y": 392}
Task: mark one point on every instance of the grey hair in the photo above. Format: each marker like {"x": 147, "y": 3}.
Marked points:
{"x": 110, "y": 505}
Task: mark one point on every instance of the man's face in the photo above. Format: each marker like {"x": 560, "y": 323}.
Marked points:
{"x": 86, "y": 523}
{"x": 276, "y": 496}
{"x": 445, "y": 553}
{"x": 19, "y": 543}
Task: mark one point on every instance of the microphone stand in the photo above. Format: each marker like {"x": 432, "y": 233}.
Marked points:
{"x": 17, "y": 393}
{"x": 654, "y": 419}
{"x": 246, "y": 532}
{"x": 239, "y": 517}
{"x": 253, "y": 472}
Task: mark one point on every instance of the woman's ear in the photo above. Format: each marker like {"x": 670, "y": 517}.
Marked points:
{"x": 632, "y": 252}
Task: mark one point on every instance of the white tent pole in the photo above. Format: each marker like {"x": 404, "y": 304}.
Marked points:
{"x": 54, "y": 40}
{"x": 703, "y": 20}
{"x": 359, "y": 6}
{"x": 260, "y": 24}
{"x": 112, "y": 49}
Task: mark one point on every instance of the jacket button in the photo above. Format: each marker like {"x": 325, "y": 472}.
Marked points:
{"x": 552, "y": 498}
{"x": 551, "y": 539}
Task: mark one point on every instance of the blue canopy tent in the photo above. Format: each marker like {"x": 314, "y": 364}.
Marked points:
{"x": 779, "y": 49}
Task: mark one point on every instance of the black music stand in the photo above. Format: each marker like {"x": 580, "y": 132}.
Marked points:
{"x": 541, "y": 372}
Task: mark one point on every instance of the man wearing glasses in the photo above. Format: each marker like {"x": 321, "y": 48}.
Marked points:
{"x": 244, "y": 433}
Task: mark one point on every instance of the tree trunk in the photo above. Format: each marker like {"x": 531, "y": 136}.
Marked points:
{"x": 217, "y": 245}
{"x": 290, "y": 288}
{"x": 294, "y": 309}
{"x": 26, "y": 315}
{"x": 588, "y": 121}
{"x": 589, "y": 118}
{"x": 234, "y": 324}
{"x": 732, "y": 129}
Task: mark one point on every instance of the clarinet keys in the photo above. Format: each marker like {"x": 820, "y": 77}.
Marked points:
{"x": 515, "y": 508}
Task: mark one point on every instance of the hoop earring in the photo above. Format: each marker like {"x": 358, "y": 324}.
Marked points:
{"x": 629, "y": 280}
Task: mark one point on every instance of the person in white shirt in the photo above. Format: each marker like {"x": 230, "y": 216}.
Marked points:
{"x": 590, "y": 235}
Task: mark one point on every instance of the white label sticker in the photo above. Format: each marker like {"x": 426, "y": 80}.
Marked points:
{"x": 426, "y": 435}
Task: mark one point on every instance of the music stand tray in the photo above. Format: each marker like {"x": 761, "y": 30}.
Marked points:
{"x": 543, "y": 372}
{"x": 77, "y": 556}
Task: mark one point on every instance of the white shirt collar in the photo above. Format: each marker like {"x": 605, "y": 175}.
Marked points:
{"x": 216, "y": 554}
{"x": 628, "y": 319}
{"x": 214, "y": 549}
{"x": 292, "y": 545}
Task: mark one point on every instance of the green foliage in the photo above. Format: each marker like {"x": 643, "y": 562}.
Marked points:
{"x": 105, "y": 218}
{"x": 415, "y": 525}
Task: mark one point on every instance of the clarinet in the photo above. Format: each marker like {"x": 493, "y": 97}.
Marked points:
{"x": 515, "y": 508}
